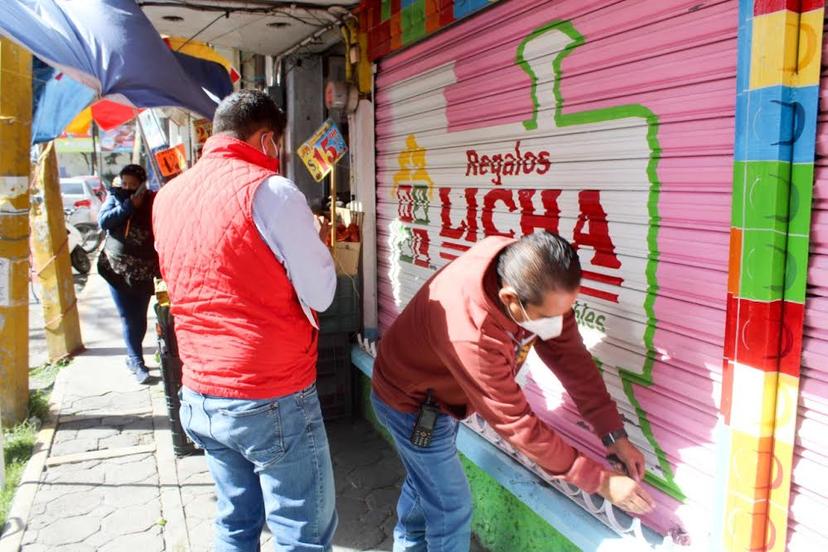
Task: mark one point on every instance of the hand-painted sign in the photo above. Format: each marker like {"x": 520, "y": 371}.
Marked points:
{"x": 203, "y": 128}
{"x": 520, "y": 178}
{"x": 549, "y": 147}
{"x": 323, "y": 150}
{"x": 172, "y": 161}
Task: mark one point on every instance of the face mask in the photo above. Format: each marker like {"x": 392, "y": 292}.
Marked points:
{"x": 544, "y": 328}
{"x": 275, "y": 147}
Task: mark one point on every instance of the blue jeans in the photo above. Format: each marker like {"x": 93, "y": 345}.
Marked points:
{"x": 434, "y": 511}
{"x": 271, "y": 463}
{"x": 132, "y": 308}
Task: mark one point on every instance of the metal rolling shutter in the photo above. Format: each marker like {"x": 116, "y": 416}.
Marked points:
{"x": 809, "y": 490}
{"x": 621, "y": 116}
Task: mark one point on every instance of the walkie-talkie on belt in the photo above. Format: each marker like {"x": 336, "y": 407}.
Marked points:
{"x": 424, "y": 428}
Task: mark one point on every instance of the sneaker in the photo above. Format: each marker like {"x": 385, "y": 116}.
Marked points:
{"x": 141, "y": 374}
{"x": 130, "y": 366}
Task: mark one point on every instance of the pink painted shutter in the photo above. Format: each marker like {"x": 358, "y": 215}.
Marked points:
{"x": 612, "y": 124}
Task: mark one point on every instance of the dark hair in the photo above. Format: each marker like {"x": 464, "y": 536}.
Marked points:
{"x": 539, "y": 263}
{"x": 244, "y": 112}
{"x": 134, "y": 170}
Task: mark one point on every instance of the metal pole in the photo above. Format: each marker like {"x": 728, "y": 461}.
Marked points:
{"x": 95, "y": 149}
{"x": 99, "y": 153}
{"x": 15, "y": 136}
{"x": 333, "y": 210}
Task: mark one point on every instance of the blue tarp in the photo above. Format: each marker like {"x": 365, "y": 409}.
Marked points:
{"x": 56, "y": 100}
{"x": 107, "y": 45}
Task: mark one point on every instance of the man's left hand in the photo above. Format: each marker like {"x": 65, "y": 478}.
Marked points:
{"x": 631, "y": 456}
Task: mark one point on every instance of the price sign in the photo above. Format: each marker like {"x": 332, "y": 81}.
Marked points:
{"x": 172, "y": 161}
{"x": 323, "y": 150}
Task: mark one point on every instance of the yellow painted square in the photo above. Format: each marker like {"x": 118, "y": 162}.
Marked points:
{"x": 776, "y": 537}
{"x": 754, "y": 401}
{"x": 743, "y": 520}
{"x": 787, "y": 398}
{"x": 781, "y": 475}
{"x": 743, "y": 464}
{"x": 786, "y": 49}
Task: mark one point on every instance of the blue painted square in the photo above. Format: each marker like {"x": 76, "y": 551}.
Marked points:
{"x": 462, "y": 8}
{"x": 405, "y": 3}
{"x": 777, "y": 123}
{"x": 745, "y": 37}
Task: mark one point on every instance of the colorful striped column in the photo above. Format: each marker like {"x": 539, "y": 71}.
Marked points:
{"x": 780, "y": 44}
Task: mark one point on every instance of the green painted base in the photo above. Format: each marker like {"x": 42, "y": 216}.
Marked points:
{"x": 501, "y": 522}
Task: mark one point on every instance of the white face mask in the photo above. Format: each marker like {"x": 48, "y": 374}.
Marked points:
{"x": 275, "y": 148}
{"x": 544, "y": 328}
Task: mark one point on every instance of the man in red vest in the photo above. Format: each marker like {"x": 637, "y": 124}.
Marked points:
{"x": 246, "y": 270}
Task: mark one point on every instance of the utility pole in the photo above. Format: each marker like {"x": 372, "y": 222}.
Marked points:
{"x": 15, "y": 137}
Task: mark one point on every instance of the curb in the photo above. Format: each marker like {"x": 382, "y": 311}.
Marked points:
{"x": 12, "y": 537}
{"x": 175, "y": 530}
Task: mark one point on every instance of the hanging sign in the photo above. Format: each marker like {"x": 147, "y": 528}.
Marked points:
{"x": 203, "y": 128}
{"x": 153, "y": 132}
{"x": 323, "y": 150}
{"x": 172, "y": 161}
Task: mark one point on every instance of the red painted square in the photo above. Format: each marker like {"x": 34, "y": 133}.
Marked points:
{"x": 791, "y": 343}
{"x": 446, "y": 12}
{"x": 379, "y": 40}
{"x": 763, "y": 7}
{"x": 758, "y": 331}
{"x": 730, "y": 327}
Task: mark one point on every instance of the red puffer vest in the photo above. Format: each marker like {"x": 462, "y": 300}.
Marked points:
{"x": 241, "y": 330}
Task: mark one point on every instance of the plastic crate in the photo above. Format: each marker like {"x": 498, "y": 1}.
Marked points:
{"x": 334, "y": 379}
{"x": 171, "y": 376}
{"x": 344, "y": 314}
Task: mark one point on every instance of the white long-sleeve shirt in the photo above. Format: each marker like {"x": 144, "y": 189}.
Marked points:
{"x": 285, "y": 222}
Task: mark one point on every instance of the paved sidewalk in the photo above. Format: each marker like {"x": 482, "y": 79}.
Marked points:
{"x": 111, "y": 482}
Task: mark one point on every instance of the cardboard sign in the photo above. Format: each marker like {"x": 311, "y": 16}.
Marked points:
{"x": 172, "y": 161}
{"x": 323, "y": 150}
{"x": 203, "y": 128}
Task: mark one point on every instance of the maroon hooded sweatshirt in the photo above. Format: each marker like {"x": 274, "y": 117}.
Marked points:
{"x": 454, "y": 339}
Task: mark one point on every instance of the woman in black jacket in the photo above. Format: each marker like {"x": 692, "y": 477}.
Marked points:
{"x": 128, "y": 261}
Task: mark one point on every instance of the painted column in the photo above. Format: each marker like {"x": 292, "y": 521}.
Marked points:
{"x": 780, "y": 45}
{"x": 50, "y": 252}
{"x": 15, "y": 137}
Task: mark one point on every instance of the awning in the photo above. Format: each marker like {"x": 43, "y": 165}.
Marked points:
{"x": 111, "y": 48}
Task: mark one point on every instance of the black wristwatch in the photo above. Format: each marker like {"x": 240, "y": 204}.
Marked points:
{"x": 610, "y": 438}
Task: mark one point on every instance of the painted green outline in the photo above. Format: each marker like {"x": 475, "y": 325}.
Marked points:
{"x": 667, "y": 485}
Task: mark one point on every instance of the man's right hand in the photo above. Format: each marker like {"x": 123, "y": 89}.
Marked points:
{"x": 323, "y": 227}
{"x": 138, "y": 198}
{"x": 625, "y": 493}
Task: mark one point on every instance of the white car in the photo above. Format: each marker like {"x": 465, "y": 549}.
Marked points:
{"x": 82, "y": 197}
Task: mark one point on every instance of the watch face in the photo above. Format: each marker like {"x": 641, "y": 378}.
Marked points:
{"x": 612, "y": 437}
